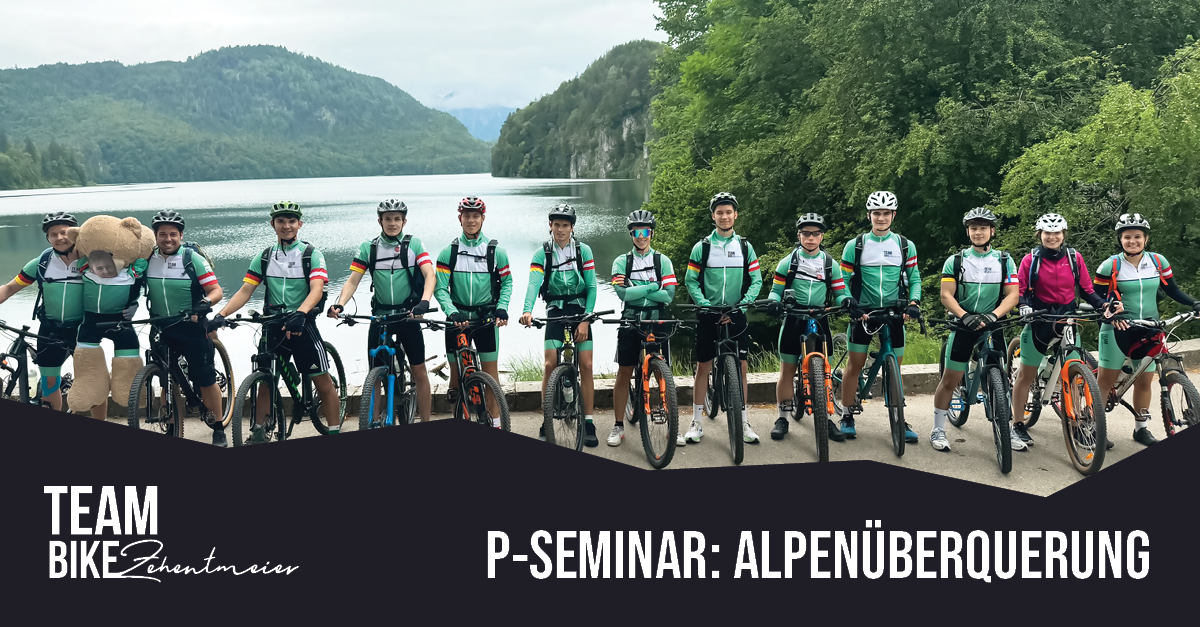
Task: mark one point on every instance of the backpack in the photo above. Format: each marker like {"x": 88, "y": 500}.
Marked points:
{"x": 306, "y": 265}
{"x": 491, "y": 268}
{"x": 39, "y": 311}
{"x": 1116, "y": 265}
{"x": 188, "y": 249}
{"x": 548, "y": 250}
{"x": 856, "y": 278}
{"x": 706, "y": 247}
{"x": 657, "y": 308}
{"x": 958, "y": 273}
{"x": 794, "y": 269}
{"x": 1037, "y": 263}
{"x": 416, "y": 280}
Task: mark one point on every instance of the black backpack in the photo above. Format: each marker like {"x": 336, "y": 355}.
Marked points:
{"x": 306, "y": 265}
{"x": 958, "y": 273}
{"x": 856, "y": 279}
{"x": 706, "y": 247}
{"x": 416, "y": 280}
{"x": 491, "y": 268}
{"x": 188, "y": 249}
{"x": 658, "y": 308}
{"x": 548, "y": 251}
{"x": 1036, "y": 263}
{"x": 794, "y": 269}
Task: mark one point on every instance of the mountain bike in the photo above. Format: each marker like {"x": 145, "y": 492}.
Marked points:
{"x": 812, "y": 388}
{"x": 562, "y": 404}
{"x": 657, "y": 410}
{"x": 264, "y": 416}
{"x": 985, "y": 382}
{"x": 14, "y": 369}
{"x": 1071, "y": 367}
{"x": 474, "y": 385}
{"x": 389, "y": 394}
{"x": 725, "y": 379}
{"x": 1180, "y": 400}
{"x": 883, "y": 363}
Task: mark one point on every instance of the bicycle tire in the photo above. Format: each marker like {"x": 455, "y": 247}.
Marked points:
{"x": 663, "y": 421}
{"x": 367, "y": 411}
{"x": 1086, "y": 434}
{"x": 838, "y": 354}
{"x": 733, "y": 408}
{"x": 1032, "y": 406}
{"x": 711, "y": 405}
{"x": 958, "y": 418}
{"x": 562, "y": 420}
{"x": 242, "y": 423}
{"x": 143, "y": 381}
{"x": 339, "y": 384}
{"x": 18, "y": 391}
{"x": 225, "y": 380}
{"x": 818, "y": 401}
{"x": 895, "y": 402}
{"x": 486, "y": 382}
{"x": 1000, "y": 415}
{"x": 406, "y": 397}
{"x": 632, "y": 411}
{"x": 1173, "y": 418}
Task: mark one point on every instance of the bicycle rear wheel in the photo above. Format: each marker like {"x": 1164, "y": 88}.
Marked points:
{"x": 1032, "y": 410}
{"x": 895, "y": 402}
{"x": 1083, "y": 427}
{"x": 660, "y": 427}
{"x": 225, "y": 380}
{"x": 338, "y": 374}
{"x": 248, "y": 403}
{"x": 998, "y": 412}
{"x": 711, "y": 396}
{"x": 838, "y": 354}
{"x": 820, "y": 408}
{"x": 562, "y": 419}
{"x": 146, "y": 402}
{"x": 477, "y": 387}
{"x": 1181, "y": 404}
{"x": 632, "y": 414}
{"x": 957, "y": 417}
{"x": 733, "y": 407}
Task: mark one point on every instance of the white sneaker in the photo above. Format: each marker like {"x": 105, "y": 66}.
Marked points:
{"x": 618, "y": 434}
{"x": 1017, "y": 443}
{"x": 938, "y": 439}
{"x": 694, "y": 434}
{"x": 748, "y": 434}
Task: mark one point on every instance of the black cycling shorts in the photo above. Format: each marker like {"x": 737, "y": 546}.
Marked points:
{"x": 53, "y": 354}
{"x": 406, "y": 333}
{"x": 485, "y": 339}
{"x": 706, "y": 335}
{"x": 555, "y": 330}
{"x": 190, "y": 340}
{"x": 306, "y": 350}
{"x": 791, "y": 336}
{"x": 123, "y": 338}
{"x": 629, "y": 347}
{"x": 856, "y": 334}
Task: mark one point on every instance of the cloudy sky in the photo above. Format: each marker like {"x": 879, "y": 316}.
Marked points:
{"x": 486, "y": 52}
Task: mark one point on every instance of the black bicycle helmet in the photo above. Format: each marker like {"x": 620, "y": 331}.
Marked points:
{"x": 391, "y": 205}
{"x": 563, "y": 212}
{"x": 166, "y": 216}
{"x": 640, "y": 218}
{"x": 286, "y": 208}
{"x": 58, "y": 217}
{"x": 810, "y": 219}
{"x": 722, "y": 198}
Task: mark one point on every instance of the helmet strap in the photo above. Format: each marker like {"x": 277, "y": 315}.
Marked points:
{"x": 287, "y": 242}
{"x": 67, "y": 252}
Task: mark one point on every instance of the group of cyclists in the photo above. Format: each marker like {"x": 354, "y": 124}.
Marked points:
{"x": 471, "y": 280}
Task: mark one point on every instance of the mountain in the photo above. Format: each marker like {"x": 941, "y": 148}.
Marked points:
{"x": 483, "y": 123}
{"x": 233, "y": 113}
{"x": 593, "y": 126}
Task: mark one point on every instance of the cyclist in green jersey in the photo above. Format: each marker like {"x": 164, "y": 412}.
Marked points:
{"x": 298, "y": 290}
{"x": 729, "y": 276}
{"x": 60, "y": 301}
{"x": 474, "y": 281}
{"x": 179, "y": 280}
{"x": 979, "y": 286}
{"x": 1133, "y": 278}
{"x": 563, "y": 272}
{"x": 402, "y": 277}
{"x": 645, "y": 281}
{"x": 885, "y": 276}
{"x": 811, "y": 287}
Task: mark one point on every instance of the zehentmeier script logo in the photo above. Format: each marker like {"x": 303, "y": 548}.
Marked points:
{"x": 80, "y": 526}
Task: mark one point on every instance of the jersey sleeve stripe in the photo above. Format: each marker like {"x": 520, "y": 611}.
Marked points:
{"x": 207, "y": 278}
{"x": 693, "y": 266}
{"x": 839, "y": 284}
{"x": 948, "y": 279}
{"x": 1011, "y": 280}
{"x": 423, "y": 259}
{"x": 503, "y": 271}
{"x": 358, "y": 266}
{"x": 847, "y": 267}
{"x": 443, "y": 268}
{"x": 589, "y": 265}
{"x": 24, "y": 280}
{"x": 754, "y": 266}
{"x": 1101, "y": 280}
{"x": 669, "y": 280}
{"x": 537, "y": 267}
{"x": 1168, "y": 273}
{"x": 252, "y": 278}
{"x": 618, "y": 279}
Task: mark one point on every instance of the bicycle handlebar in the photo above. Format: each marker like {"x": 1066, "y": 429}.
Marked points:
{"x": 25, "y": 332}
{"x": 595, "y": 315}
{"x": 179, "y": 317}
{"x": 400, "y": 315}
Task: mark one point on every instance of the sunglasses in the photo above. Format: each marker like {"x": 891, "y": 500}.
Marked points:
{"x": 811, "y": 233}
{"x": 640, "y": 232}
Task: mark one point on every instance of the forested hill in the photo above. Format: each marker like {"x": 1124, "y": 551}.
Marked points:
{"x": 234, "y": 113}
{"x": 593, "y": 126}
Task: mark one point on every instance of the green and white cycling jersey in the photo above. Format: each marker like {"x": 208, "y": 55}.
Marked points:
{"x": 812, "y": 290}
{"x": 62, "y": 287}
{"x": 564, "y": 276}
{"x": 286, "y": 283}
{"x": 644, "y": 298}
{"x": 103, "y": 295}
{"x": 471, "y": 291}
{"x": 983, "y": 279}
{"x": 1138, "y": 287}
{"x": 170, "y": 289}
{"x": 723, "y": 273}
{"x": 880, "y": 270}
{"x": 392, "y": 277}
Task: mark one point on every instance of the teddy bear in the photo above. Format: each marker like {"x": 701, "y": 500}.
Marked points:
{"x": 113, "y": 257}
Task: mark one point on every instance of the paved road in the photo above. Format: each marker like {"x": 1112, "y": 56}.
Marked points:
{"x": 1043, "y": 469}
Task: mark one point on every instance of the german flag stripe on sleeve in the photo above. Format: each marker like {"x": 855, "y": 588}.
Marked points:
{"x": 779, "y": 279}
{"x": 253, "y": 278}
{"x": 207, "y": 278}
{"x": 693, "y": 266}
{"x": 839, "y": 284}
{"x": 948, "y": 279}
{"x": 537, "y": 267}
{"x": 358, "y": 266}
{"x": 423, "y": 259}
{"x": 619, "y": 279}
{"x": 443, "y": 268}
{"x": 24, "y": 280}
{"x": 669, "y": 280}
{"x": 847, "y": 267}
{"x": 1099, "y": 280}
{"x": 503, "y": 271}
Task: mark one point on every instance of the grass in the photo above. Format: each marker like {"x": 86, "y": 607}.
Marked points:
{"x": 530, "y": 367}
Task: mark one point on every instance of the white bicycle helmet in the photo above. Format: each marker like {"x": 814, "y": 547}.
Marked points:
{"x": 1132, "y": 221}
{"x": 1051, "y": 223}
{"x": 882, "y": 200}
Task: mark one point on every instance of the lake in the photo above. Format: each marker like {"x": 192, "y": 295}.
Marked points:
{"x": 229, "y": 219}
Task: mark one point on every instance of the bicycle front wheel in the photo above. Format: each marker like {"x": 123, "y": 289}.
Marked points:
{"x": 256, "y": 415}
{"x": 336, "y": 372}
{"x": 372, "y": 405}
{"x": 661, "y": 425}
{"x": 733, "y": 408}
{"x": 958, "y": 398}
{"x": 1181, "y": 404}
{"x": 1000, "y": 416}
{"x": 476, "y": 390}
{"x": 225, "y": 381}
{"x": 820, "y": 408}
{"x": 147, "y": 402}
{"x": 562, "y": 419}
{"x": 1083, "y": 419}
{"x": 895, "y": 402}
{"x": 1031, "y": 409}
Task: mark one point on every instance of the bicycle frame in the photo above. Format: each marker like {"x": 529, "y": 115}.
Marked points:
{"x": 867, "y": 379}
{"x": 1062, "y": 347}
{"x": 985, "y": 352}
{"x": 1126, "y": 380}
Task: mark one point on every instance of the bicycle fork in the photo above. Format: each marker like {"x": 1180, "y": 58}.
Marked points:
{"x": 808, "y": 386}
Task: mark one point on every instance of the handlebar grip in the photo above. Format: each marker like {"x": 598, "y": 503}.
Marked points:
{"x": 763, "y": 302}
